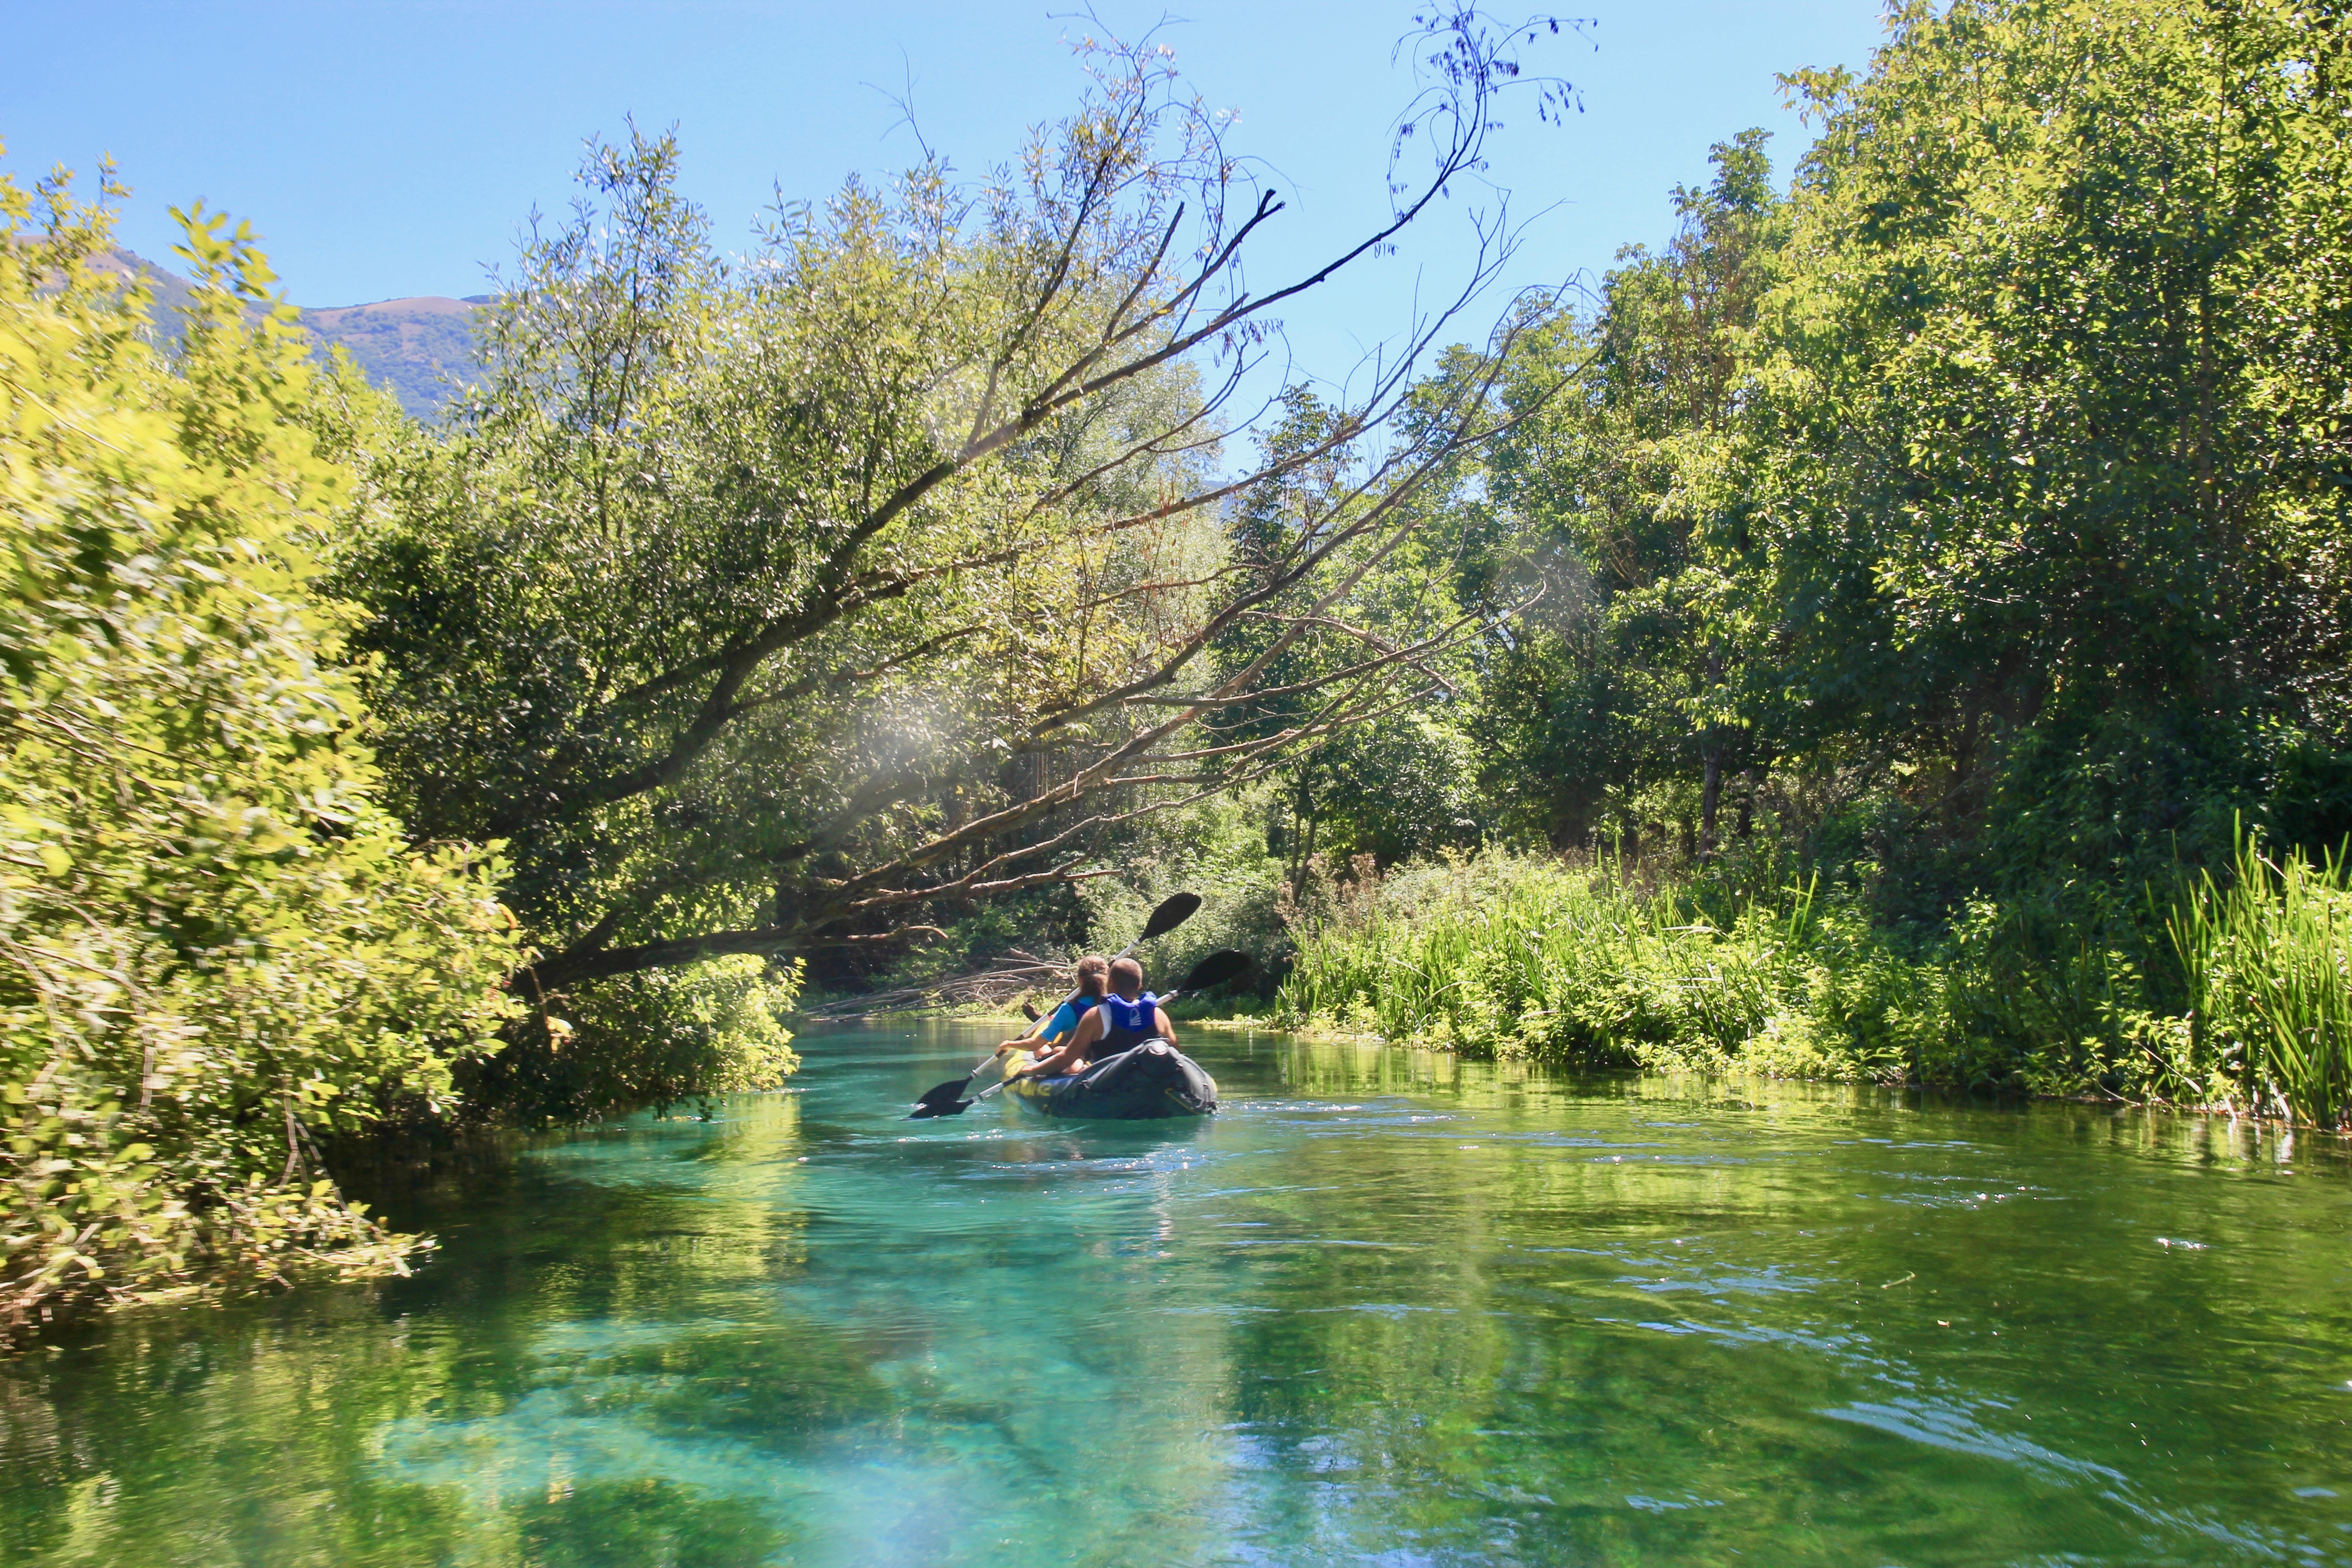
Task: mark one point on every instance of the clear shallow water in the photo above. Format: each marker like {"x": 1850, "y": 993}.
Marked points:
{"x": 1389, "y": 1309}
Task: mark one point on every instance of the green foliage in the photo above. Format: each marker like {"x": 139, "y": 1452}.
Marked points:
{"x": 1993, "y": 473}
{"x": 1585, "y": 964}
{"x": 1650, "y": 658}
{"x": 2269, "y": 960}
{"x": 1969, "y": 527}
{"x": 1400, "y": 783}
{"x": 1530, "y": 957}
{"x": 701, "y": 601}
{"x": 2043, "y": 431}
{"x": 659, "y": 1037}
{"x": 215, "y": 945}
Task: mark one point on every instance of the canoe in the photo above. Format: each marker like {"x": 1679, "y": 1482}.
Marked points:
{"x": 1153, "y": 1081}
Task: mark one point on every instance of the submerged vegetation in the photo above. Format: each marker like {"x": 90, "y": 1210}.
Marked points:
{"x": 1899, "y": 631}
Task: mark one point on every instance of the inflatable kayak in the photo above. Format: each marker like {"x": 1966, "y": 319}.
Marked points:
{"x": 1153, "y": 1081}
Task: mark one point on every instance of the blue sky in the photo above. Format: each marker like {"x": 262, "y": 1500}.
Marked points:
{"x": 391, "y": 149}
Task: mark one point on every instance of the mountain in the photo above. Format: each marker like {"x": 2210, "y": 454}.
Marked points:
{"x": 407, "y": 345}
{"x": 410, "y": 345}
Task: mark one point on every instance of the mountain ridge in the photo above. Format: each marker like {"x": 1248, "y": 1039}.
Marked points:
{"x": 419, "y": 347}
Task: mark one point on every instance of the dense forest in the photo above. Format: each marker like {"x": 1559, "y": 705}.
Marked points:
{"x": 1901, "y": 630}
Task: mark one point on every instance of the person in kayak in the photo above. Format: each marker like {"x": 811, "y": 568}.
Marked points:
{"x": 1093, "y": 981}
{"x": 1123, "y": 1020}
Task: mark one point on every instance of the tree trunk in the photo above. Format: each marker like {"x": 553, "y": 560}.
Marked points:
{"x": 1710, "y": 795}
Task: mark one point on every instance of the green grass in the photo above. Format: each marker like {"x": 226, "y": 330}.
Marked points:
{"x": 2070, "y": 992}
{"x": 2269, "y": 960}
{"x": 1528, "y": 958}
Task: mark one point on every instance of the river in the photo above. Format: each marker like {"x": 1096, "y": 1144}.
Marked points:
{"x": 1389, "y": 1307}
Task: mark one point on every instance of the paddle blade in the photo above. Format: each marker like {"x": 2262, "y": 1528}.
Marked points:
{"x": 1029, "y": 1011}
{"x": 937, "y": 1099}
{"x": 953, "y": 1108}
{"x": 1226, "y": 963}
{"x": 1172, "y": 913}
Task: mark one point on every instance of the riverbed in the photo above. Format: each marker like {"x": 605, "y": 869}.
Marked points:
{"x": 1387, "y": 1308}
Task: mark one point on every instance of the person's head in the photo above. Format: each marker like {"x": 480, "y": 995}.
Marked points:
{"x": 1127, "y": 978}
{"x": 1093, "y": 976}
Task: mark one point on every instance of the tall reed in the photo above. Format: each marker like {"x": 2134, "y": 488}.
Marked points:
{"x": 2269, "y": 966}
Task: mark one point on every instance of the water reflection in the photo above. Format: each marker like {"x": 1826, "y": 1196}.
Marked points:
{"x": 1392, "y": 1307}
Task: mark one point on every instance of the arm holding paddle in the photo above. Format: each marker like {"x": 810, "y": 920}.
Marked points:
{"x": 1072, "y": 1052}
{"x": 947, "y": 1098}
{"x": 1049, "y": 1029}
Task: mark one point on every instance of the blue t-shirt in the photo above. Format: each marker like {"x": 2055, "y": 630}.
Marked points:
{"x": 1065, "y": 1019}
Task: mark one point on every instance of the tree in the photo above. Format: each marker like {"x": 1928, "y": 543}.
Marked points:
{"x": 1652, "y": 660}
{"x": 771, "y": 607}
{"x": 216, "y": 948}
{"x": 2052, "y": 468}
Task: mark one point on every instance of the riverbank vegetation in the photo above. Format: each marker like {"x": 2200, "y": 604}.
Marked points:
{"x": 216, "y": 950}
{"x": 1901, "y": 629}
{"x": 2242, "y": 1005}
{"x": 1943, "y": 674}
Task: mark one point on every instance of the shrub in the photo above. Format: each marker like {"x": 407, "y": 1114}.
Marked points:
{"x": 657, "y": 1037}
{"x": 2040, "y": 995}
{"x": 215, "y": 945}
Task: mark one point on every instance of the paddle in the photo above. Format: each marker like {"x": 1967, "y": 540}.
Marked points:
{"x": 1173, "y": 913}
{"x": 1225, "y": 963}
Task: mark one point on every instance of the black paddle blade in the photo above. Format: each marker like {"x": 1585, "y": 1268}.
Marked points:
{"x": 1029, "y": 1011}
{"x": 925, "y": 1109}
{"x": 1172, "y": 913}
{"x": 936, "y": 1100}
{"x": 1226, "y": 963}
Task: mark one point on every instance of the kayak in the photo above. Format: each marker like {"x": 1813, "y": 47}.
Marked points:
{"x": 1153, "y": 1081}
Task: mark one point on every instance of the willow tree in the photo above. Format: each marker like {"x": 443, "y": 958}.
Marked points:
{"x": 763, "y": 603}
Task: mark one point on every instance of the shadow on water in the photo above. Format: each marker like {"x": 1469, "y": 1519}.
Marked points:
{"x": 1390, "y": 1307}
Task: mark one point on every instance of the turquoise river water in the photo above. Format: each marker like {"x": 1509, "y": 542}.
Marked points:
{"x": 1388, "y": 1309}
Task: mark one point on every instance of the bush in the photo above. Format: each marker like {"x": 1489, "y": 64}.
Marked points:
{"x": 1528, "y": 957}
{"x": 216, "y": 947}
{"x": 659, "y": 1037}
{"x": 1585, "y": 964}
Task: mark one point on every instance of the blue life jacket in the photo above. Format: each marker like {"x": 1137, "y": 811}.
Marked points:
{"x": 1126, "y": 1025}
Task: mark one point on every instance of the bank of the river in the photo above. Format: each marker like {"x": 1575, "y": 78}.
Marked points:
{"x": 1391, "y": 1306}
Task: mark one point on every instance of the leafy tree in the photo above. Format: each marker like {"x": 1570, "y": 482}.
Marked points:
{"x": 768, "y": 609}
{"x": 2054, "y": 473}
{"x": 216, "y": 949}
{"x": 1652, "y": 660}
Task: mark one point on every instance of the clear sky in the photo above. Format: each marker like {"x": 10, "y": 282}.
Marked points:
{"x": 389, "y": 147}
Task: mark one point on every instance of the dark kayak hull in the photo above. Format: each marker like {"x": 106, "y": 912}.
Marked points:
{"x": 1152, "y": 1082}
